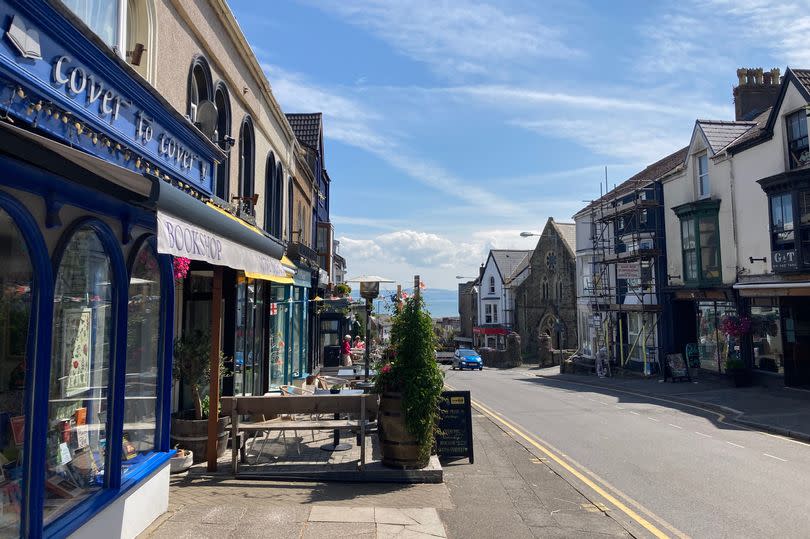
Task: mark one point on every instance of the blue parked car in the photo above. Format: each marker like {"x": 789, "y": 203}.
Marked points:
{"x": 464, "y": 358}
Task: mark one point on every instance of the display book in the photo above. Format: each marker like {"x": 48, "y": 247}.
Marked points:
{"x": 77, "y": 460}
{"x": 11, "y": 445}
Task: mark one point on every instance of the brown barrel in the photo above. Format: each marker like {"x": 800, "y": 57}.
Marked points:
{"x": 399, "y": 448}
{"x": 192, "y": 434}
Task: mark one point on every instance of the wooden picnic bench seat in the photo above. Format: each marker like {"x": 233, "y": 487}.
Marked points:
{"x": 364, "y": 407}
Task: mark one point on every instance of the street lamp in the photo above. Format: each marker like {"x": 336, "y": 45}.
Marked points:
{"x": 369, "y": 289}
{"x": 465, "y": 277}
{"x": 529, "y": 234}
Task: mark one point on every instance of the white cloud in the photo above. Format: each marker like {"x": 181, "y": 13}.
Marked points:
{"x": 460, "y": 37}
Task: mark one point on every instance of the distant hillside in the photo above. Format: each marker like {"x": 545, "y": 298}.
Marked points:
{"x": 440, "y": 302}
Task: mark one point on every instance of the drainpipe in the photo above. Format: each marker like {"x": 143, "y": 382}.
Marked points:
{"x": 733, "y": 214}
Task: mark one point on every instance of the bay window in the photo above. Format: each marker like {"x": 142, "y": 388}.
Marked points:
{"x": 700, "y": 242}
{"x": 798, "y": 154}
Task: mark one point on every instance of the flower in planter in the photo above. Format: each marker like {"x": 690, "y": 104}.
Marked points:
{"x": 735, "y": 326}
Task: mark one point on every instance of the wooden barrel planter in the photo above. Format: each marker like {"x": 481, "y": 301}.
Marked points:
{"x": 192, "y": 434}
{"x": 399, "y": 448}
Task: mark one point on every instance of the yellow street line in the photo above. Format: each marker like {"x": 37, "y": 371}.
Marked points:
{"x": 576, "y": 473}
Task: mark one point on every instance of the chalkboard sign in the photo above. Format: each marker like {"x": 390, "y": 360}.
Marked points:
{"x": 677, "y": 366}
{"x": 454, "y": 439}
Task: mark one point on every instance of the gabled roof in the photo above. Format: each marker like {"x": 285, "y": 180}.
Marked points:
{"x": 307, "y": 128}
{"x": 568, "y": 232}
{"x": 524, "y": 264}
{"x": 507, "y": 261}
{"x": 720, "y": 134}
{"x": 653, "y": 172}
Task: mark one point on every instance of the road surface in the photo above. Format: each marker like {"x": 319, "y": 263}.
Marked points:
{"x": 678, "y": 468}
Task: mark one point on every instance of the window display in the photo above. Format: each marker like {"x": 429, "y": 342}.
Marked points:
{"x": 277, "y": 335}
{"x": 248, "y": 374}
{"x": 766, "y": 338}
{"x": 715, "y": 346}
{"x": 15, "y": 312}
{"x": 143, "y": 353}
{"x": 77, "y": 410}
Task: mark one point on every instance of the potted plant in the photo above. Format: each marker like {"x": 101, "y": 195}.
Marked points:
{"x": 192, "y": 365}
{"x": 342, "y": 290}
{"x": 410, "y": 384}
{"x": 740, "y": 375}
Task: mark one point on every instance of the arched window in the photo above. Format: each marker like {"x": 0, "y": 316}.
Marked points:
{"x": 82, "y": 357}
{"x": 270, "y": 199}
{"x": 143, "y": 348}
{"x": 247, "y": 162}
{"x": 289, "y": 208}
{"x": 545, "y": 289}
{"x": 140, "y": 37}
{"x": 200, "y": 85}
{"x": 278, "y": 219}
{"x": 223, "y": 103}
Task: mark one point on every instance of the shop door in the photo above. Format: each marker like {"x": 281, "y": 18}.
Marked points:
{"x": 796, "y": 331}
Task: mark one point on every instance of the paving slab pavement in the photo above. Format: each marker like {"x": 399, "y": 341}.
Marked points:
{"x": 508, "y": 492}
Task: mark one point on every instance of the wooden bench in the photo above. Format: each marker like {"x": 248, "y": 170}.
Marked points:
{"x": 365, "y": 407}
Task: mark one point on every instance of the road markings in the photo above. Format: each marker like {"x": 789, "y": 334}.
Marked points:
{"x": 775, "y": 457}
{"x": 634, "y": 413}
{"x": 736, "y": 445}
{"x": 653, "y": 419}
{"x": 721, "y": 418}
{"x": 620, "y": 407}
{"x": 701, "y": 434}
{"x": 676, "y": 426}
{"x": 576, "y": 473}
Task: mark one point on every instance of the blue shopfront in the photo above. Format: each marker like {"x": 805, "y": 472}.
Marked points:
{"x": 91, "y": 160}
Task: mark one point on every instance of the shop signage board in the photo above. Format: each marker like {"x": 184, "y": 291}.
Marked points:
{"x": 784, "y": 260}
{"x": 82, "y": 98}
{"x": 628, "y": 270}
{"x": 455, "y": 440}
{"x": 180, "y": 238}
{"x": 677, "y": 366}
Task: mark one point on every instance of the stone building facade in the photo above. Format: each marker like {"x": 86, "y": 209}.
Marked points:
{"x": 545, "y": 302}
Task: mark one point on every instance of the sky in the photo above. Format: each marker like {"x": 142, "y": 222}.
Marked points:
{"x": 453, "y": 125}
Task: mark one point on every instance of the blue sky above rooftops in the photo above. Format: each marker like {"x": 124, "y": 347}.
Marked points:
{"x": 453, "y": 125}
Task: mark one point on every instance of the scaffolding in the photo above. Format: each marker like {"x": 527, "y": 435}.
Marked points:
{"x": 623, "y": 290}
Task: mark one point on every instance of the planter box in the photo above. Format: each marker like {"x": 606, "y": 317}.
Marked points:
{"x": 192, "y": 434}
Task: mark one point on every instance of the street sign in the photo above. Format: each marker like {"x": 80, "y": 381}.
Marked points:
{"x": 454, "y": 439}
{"x": 628, "y": 270}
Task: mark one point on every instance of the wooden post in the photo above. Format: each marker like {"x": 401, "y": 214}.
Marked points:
{"x": 213, "y": 388}
{"x": 416, "y": 281}
{"x": 399, "y": 297}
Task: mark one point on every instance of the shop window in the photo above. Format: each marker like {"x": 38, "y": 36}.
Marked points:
{"x": 143, "y": 356}
{"x": 798, "y": 153}
{"x": 277, "y": 343}
{"x": 766, "y": 338}
{"x": 248, "y": 375}
{"x": 223, "y": 103}
{"x": 715, "y": 347}
{"x": 78, "y": 423}
{"x": 296, "y": 357}
{"x": 200, "y": 86}
{"x": 16, "y": 279}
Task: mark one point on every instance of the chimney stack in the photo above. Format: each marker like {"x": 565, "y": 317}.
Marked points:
{"x": 755, "y": 92}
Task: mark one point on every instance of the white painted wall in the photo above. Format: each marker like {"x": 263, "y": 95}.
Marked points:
{"x": 761, "y": 161}
{"x": 132, "y": 513}
{"x": 493, "y": 298}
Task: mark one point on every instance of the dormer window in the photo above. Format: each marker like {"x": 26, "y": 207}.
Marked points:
{"x": 798, "y": 153}
{"x": 703, "y": 176}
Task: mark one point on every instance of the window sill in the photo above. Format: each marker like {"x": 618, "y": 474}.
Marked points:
{"x": 89, "y": 508}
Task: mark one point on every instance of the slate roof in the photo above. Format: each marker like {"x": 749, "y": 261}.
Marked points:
{"x": 568, "y": 232}
{"x": 520, "y": 268}
{"x": 508, "y": 261}
{"x": 720, "y": 133}
{"x": 643, "y": 178}
{"x": 307, "y": 128}
{"x": 761, "y": 120}
{"x": 803, "y": 76}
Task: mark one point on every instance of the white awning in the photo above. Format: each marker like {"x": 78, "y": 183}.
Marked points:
{"x": 800, "y": 288}
{"x": 180, "y": 238}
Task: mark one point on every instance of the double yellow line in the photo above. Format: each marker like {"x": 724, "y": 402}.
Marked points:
{"x": 643, "y": 522}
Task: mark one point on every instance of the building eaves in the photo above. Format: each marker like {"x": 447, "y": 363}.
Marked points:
{"x": 653, "y": 172}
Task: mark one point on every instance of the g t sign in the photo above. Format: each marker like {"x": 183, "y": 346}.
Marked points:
{"x": 784, "y": 260}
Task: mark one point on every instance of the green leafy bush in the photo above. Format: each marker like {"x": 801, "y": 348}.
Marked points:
{"x": 411, "y": 368}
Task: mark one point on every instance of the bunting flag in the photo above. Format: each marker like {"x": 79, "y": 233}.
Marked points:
{"x": 273, "y": 309}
